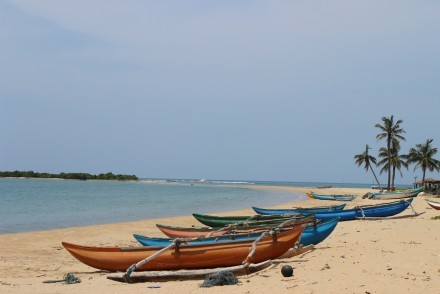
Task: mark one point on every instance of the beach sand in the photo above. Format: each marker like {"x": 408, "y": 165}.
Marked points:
{"x": 380, "y": 256}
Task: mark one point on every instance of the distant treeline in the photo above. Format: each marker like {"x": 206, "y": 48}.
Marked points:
{"x": 70, "y": 176}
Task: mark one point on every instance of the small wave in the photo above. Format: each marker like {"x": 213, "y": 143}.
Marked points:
{"x": 227, "y": 182}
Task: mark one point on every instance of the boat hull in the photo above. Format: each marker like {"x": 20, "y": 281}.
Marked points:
{"x": 263, "y": 220}
{"x": 433, "y": 204}
{"x": 381, "y": 210}
{"x": 312, "y": 234}
{"x": 394, "y": 195}
{"x": 332, "y": 197}
{"x": 269, "y": 211}
{"x": 185, "y": 257}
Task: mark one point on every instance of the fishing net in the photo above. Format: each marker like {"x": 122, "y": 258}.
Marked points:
{"x": 219, "y": 279}
{"x": 68, "y": 279}
{"x": 71, "y": 279}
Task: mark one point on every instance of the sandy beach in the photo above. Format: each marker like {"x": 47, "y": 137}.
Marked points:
{"x": 380, "y": 256}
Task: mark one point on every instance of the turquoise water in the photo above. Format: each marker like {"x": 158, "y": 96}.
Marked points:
{"x": 35, "y": 204}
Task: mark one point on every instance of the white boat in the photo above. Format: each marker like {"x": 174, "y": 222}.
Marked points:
{"x": 395, "y": 194}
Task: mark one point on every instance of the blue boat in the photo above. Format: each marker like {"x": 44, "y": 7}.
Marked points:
{"x": 295, "y": 210}
{"x": 359, "y": 212}
{"x": 312, "y": 234}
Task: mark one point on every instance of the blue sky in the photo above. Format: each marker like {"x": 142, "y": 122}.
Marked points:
{"x": 252, "y": 90}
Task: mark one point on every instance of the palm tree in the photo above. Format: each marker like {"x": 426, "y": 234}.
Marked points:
{"x": 383, "y": 153}
{"x": 367, "y": 159}
{"x": 423, "y": 156}
{"x": 397, "y": 161}
{"x": 390, "y": 131}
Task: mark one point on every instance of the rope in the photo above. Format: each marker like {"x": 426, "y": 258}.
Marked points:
{"x": 287, "y": 222}
{"x": 133, "y": 267}
{"x": 362, "y": 211}
{"x": 226, "y": 228}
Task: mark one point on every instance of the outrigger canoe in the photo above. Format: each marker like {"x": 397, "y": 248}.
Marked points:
{"x": 195, "y": 232}
{"x": 331, "y": 197}
{"x": 264, "y": 220}
{"x": 368, "y": 211}
{"x": 186, "y": 256}
{"x": 303, "y": 210}
{"x": 395, "y": 194}
{"x": 312, "y": 234}
{"x": 358, "y": 212}
{"x": 433, "y": 204}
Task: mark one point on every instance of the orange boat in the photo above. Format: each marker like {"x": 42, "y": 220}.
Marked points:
{"x": 184, "y": 256}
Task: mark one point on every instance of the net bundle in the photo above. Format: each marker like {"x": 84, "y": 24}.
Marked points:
{"x": 219, "y": 279}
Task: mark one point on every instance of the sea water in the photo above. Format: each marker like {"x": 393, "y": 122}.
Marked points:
{"x": 39, "y": 204}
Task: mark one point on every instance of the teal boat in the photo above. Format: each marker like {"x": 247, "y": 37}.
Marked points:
{"x": 395, "y": 194}
{"x": 312, "y": 234}
{"x": 331, "y": 197}
{"x": 295, "y": 210}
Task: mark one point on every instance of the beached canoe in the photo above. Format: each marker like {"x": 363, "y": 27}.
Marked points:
{"x": 359, "y": 212}
{"x": 331, "y": 197}
{"x": 395, "y": 194}
{"x": 312, "y": 234}
{"x": 294, "y": 210}
{"x": 185, "y": 256}
{"x": 221, "y": 221}
{"x": 433, "y": 204}
{"x": 195, "y": 232}
{"x": 378, "y": 210}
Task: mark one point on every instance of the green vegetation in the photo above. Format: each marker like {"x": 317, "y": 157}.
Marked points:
{"x": 422, "y": 156}
{"x": 69, "y": 176}
{"x": 367, "y": 159}
{"x": 436, "y": 217}
{"x": 397, "y": 161}
{"x": 392, "y": 133}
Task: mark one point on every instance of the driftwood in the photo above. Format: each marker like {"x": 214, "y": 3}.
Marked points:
{"x": 149, "y": 276}
{"x": 296, "y": 251}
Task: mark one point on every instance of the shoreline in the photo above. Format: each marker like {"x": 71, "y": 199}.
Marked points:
{"x": 383, "y": 256}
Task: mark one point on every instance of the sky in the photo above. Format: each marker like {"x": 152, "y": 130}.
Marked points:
{"x": 233, "y": 90}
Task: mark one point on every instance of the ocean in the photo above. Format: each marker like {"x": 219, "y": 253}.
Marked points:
{"x": 39, "y": 204}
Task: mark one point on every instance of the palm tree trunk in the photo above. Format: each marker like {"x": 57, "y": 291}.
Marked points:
{"x": 394, "y": 176}
{"x": 374, "y": 174}
{"x": 389, "y": 161}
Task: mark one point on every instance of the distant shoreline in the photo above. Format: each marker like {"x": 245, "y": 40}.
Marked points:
{"x": 63, "y": 179}
{"x": 67, "y": 176}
